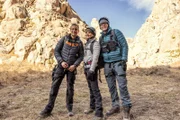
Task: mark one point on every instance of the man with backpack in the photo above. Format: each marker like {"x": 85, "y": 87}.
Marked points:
{"x": 114, "y": 49}
{"x": 91, "y": 55}
{"x": 69, "y": 54}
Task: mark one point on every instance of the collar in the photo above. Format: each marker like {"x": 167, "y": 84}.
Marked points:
{"x": 90, "y": 40}
{"x": 108, "y": 31}
{"x": 72, "y": 40}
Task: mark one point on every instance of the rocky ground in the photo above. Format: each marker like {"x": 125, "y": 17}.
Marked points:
{"x": 24, "y": 92}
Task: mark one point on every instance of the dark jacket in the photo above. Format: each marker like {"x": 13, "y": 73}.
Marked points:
{"x": 70, "y": 51}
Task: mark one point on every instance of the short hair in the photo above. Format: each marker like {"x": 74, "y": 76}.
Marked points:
{"x": 74, "y": 24}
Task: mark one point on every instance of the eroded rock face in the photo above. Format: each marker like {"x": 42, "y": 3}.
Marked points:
{"x": 158, "y": 40}
{"x": 30, "y": 29}
{"x": 8, "y": 3}
{"x": 16, "y": 11}
{"x": 62, "y": 7}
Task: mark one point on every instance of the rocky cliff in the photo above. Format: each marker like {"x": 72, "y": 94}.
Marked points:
{"x": 158, "y": 40}
{"x": 30, "y": 29}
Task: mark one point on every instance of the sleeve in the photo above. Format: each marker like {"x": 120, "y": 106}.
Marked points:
{"x": 57, "y": 51}
{"x": 96, "y": 53}
{"x": 123, "y": 44}
{"x": 81, "y": 55}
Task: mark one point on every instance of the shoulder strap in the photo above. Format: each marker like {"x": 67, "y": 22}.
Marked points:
{"x": 101, "y": 39}
{"x": 91, "y": 46}
{"x": 113, "y": 35}
{"x": 64, "y": 39}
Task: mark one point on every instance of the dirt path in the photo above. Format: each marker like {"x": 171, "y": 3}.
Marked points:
{"x": 155, "y": 94}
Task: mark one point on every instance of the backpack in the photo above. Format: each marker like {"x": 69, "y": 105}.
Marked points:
{"x": 110, "y": 45}
{"x": 100, "y": 60}
{"x": 100, "y": 63}
{"x": 112, "y": 36}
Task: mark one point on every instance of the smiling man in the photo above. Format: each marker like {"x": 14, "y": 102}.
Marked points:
{"x": 114, "y": 50}
{"x": 69, "y": 54}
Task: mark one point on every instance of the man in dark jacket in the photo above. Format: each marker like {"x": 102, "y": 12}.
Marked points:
{"x": 114, "y": 49}
{"x": 91, "y": 55}
{"x": 69, "y": 54}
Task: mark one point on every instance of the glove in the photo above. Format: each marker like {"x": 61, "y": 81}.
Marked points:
{"x": 90, "y": 75}
{"x": 123, "y": 64}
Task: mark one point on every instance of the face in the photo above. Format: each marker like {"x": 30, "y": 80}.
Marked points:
{"x": 104, "y": 26}
{"x": 89, "y": 35}
{"x": 74, "y": 31}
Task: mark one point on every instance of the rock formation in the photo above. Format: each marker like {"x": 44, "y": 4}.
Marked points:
{"x": 158, "y": 40}
{"x": 30, "y": 29}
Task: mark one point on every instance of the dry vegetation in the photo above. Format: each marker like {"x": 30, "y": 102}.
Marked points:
{"x": 24, "y": 92}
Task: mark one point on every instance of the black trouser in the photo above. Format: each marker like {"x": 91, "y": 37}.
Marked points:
{"x": 95, "y": 95}
{"x": 57, "y": 78}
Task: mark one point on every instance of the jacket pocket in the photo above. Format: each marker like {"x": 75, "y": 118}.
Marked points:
{"x": 119, "y": 68}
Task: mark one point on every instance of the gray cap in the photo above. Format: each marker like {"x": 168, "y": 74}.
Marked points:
{"x": 103, "y": 20}
{"x": 92, "y": 30}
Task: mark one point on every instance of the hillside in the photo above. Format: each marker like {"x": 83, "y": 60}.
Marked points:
{"x": 157, "y": 42}
{"x": 30, "y": 29}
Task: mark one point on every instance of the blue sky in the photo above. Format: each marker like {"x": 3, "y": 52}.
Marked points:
{"x": 125, "y": 15}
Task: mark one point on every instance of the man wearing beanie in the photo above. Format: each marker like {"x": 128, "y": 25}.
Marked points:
{"x": 114, "y": 49}
{"x": 91, "y": 55}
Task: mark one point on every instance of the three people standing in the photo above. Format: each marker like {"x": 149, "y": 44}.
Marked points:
{"x": 113, "y": 47}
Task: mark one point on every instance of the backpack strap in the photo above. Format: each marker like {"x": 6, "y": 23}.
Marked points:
{"x": 99, "y": 70}
{"x": 63, "y": 39}
{"x": 91, "y": 49}
{"x": 92, "y": 45}
{"x": 114, "y": 37}
{"x": 101, "y": 39}
{"x": 66, "y": 38}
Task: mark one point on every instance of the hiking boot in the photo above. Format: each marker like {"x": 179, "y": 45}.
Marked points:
{"x": 126, "y": 113}
{"x": 113, "y": 110}
{"x": 70, "y": 114}
{"x": 89, "y": 111}
{"x": 97, "y": 118}
{"x": 45, "y": 113}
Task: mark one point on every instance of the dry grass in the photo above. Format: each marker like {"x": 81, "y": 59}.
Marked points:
{"x": 24, "y": 92}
